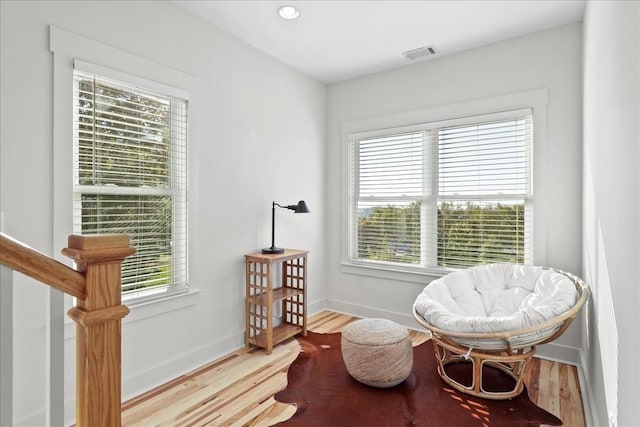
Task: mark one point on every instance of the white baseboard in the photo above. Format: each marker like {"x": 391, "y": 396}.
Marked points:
{"x": 316, "y": 307}
{"x": 550, "y": 351}
{"x": 588, "y": 403}
{"x": 34, "y": 419}
{"x": 183, "y": 364}
{"x": 369, "y": 312}
{"x": 187, "y": 362}
{"x": 171, "y": 369}
{"x": 559, "y": 353}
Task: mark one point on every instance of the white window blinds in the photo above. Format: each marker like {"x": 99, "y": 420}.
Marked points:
{"x": 443, "y": 195}
{"x": 484, "y": 193}
{"x": 130, "y": 176}
{"x": 388, "y": 183}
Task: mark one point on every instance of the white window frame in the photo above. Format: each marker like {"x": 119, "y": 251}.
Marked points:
{"x": 177, "y": 190}
{"x": 65, "y": 47}
{"x": 449, "y": 114}
{"x": 69, "y": 48}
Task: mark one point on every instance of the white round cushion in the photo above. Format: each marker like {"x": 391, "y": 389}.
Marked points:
{"x": 496, "y": 298}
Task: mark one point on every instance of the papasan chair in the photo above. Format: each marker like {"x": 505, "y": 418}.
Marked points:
{"x": 494, "y": 316}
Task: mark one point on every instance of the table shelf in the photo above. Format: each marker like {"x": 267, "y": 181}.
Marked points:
{"x": 278, "y": 295}
{"x": 280, "y": 333}
{"x": 262, "y": 296}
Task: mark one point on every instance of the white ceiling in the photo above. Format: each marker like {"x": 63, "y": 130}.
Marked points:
{"x": 338, "y": 40}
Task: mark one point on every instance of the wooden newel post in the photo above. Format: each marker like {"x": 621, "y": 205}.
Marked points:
{"x": 98, "y": 327}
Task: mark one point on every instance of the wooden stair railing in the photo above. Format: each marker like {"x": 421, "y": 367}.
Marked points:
{"x": 98, "y": 314}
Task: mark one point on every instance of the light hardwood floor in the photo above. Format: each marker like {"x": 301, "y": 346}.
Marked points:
{"x": 238, "y": 389}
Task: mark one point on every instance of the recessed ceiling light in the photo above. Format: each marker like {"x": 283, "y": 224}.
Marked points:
{"x": 288, "y": 12}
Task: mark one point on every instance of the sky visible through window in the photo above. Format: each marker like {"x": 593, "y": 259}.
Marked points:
{"x": 478, "y": 159}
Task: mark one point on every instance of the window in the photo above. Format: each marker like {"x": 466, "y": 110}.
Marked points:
{"x": 443, "y": 195}
{"x": 130, "y": 176}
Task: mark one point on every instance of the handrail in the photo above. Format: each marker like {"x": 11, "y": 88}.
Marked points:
{"x": 98, "y": 314}
{"x": 37, "y": 265}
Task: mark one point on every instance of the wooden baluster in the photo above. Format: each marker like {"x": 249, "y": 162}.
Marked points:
{"x": 98, "y": 328}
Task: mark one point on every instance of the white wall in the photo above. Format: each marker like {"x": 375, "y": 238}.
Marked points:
{"x": 257, "y": 134}
{"x": 253, "y": 118}
{"x": 548, "y": 60}
{"x": 611, "y": 249}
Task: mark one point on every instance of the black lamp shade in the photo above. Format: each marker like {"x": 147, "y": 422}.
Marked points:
{"x": 302, "y": 207}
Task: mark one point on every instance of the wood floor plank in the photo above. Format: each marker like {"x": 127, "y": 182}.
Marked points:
{"x": 531, "y": 379}
{"x": 332, "y": 323}
{"x": 267, "y": 413}
{"x": 553, "y": 389}
{"x": 574, "y": 402}
{"x": 237, "y": 389}
{"x": 199, "y": 390}
{"x": 418, "y": 338}
{"x": 230, "y": 405}
{"x": 543, "y": 385}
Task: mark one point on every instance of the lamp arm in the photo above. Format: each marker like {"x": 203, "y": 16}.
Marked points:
{"x": 273, "y": 220}
{"x": 273, "y": 224}
{"x": 291, "y": 207}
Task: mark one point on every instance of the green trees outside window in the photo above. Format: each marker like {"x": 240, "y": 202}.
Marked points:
{"x": 128, "y": 166}
{"x": 468, "y": 234}
{"x": 472, "y": 233}
{"x": 390, "y": 233}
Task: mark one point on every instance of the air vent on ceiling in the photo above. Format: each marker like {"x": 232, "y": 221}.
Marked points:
{"x": 420, "y": 52}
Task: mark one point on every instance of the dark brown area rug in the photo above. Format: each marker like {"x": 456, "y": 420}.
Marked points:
{"x": 326, "y": 395}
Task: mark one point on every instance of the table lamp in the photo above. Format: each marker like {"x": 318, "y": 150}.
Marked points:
{"x": 301, "y": 207}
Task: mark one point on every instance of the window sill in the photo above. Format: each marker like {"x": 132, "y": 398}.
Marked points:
{"x": 389, "y": 273}
{"x": 140, "y": 310}
{"x": 146, "y": 309}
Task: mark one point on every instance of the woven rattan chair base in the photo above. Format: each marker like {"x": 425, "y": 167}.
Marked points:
{"x": 514, "y": 365}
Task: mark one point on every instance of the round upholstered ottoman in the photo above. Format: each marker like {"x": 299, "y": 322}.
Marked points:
{"x": 377, "y": 352}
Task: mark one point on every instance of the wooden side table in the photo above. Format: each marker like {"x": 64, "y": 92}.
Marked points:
{"x": 262, "y": 295}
